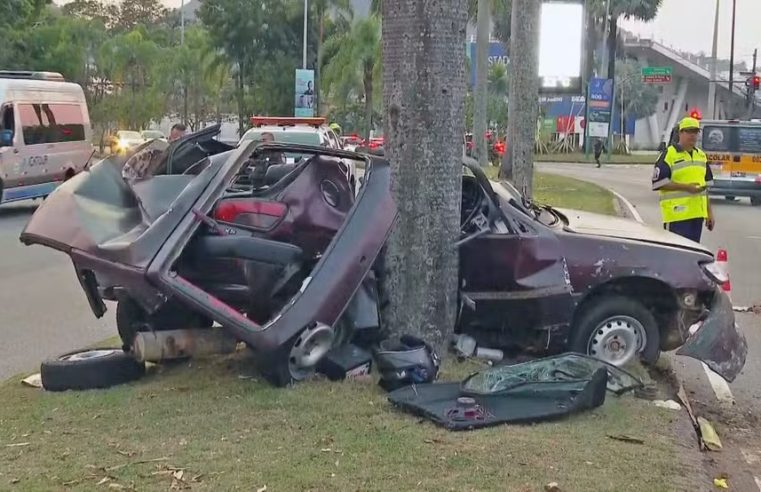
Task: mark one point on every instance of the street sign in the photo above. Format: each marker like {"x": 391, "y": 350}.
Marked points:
{"x": 656, "y": 75}
{"x": 600, "y": 107}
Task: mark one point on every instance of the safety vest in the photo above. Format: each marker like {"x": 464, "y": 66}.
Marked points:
{"x": 685, "y": 169}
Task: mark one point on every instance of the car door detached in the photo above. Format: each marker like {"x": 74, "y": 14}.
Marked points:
{"x": 516, "y": 288}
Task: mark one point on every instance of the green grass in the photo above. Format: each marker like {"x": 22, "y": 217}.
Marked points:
{"x": 614, "y": 158}
{"x": 226, "y": 433}
{"x": 563, "y": 192}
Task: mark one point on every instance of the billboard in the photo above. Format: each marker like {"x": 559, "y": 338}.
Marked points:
{"x": 600, "y": 106}
{"x": 561, "y": 41}
{"x": 497, "y": 54}
{"x": 304, "y": 94}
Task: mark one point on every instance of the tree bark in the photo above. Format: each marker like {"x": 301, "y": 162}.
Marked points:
{"x": 480, "y": 115}
{"x": 424, "y": 93}
{"x": 523, "y": 96}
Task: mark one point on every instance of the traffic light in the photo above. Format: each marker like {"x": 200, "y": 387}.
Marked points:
{"x": 695, "y": 113}
{"x": 756, "y": 82}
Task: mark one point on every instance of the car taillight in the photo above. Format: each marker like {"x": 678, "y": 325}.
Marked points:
{"x": 758, "y": 179}
{"x": 250, "y": 212}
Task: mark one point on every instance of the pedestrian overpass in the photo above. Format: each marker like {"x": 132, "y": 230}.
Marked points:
{"x": 688, "y": 90}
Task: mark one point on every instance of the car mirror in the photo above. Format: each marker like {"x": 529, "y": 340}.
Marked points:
{"x": 6, "y": 138}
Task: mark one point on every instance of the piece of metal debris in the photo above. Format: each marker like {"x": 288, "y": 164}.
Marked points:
{"x": 720, "y": 483}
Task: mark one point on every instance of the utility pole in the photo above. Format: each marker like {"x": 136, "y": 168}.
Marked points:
{"x": 523, "y": 96}
{"x": 182, "y": 22}
{"x": 732, "y": 62}
{"x": 714, "y": 66}
{"x": 752, "y": 86}
{"x": 306, "y": 16}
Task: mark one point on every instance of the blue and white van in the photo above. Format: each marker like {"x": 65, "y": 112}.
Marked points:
{"x": 45, "y": 133}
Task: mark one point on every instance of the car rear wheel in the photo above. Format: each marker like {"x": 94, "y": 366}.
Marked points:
{"x": 617, "y": 330}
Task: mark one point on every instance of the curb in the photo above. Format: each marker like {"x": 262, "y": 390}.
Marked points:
{"x": 625, "y": 208}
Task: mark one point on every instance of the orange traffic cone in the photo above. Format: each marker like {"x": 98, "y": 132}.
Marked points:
{"x": 722, "y": 260}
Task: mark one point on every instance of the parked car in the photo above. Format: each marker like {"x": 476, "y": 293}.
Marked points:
{"x": 147, "y": 135}
{"x": 125, "y": 140}
{"x": 291, "y": 267}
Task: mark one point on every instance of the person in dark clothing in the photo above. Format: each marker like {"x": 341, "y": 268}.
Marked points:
{"x": 599, "y": 147}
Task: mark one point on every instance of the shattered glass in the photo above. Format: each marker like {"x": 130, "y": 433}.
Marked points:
{"x": 565, "y": 368}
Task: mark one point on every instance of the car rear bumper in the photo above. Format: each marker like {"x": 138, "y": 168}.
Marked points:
{"x": 718, "y": 341}
{"x": 735, "y": 187}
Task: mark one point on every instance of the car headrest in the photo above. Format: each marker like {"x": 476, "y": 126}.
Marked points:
{"x": 276, "y": 172}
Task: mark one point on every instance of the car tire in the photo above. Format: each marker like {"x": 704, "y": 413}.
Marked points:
{"x": 755, "y": 201}
{"x": 731, "y": 198}
{"x": 612, "y": 322}
{"x": 90, "y": 369}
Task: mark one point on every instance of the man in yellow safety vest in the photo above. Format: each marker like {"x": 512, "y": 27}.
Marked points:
{"x": 681, "y": 177}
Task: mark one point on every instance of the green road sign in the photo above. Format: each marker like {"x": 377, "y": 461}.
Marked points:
{"x": 656, "y": 75}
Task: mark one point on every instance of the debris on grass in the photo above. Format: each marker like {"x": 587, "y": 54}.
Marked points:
{"x": 709, "y": 435}
{"x": 552, "y": 487}
{"x": 668, "y": 404}
{"x": 17, "y": 444}
{"x": 625, "y": 438}
{"x": 720, "y": 483}
{"x": 33, "y": 381}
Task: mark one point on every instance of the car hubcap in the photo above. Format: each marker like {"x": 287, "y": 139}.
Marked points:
{"x": 90, "y": 354}
{"x": 311, "y": 346}
{"x": 617, "y": 340}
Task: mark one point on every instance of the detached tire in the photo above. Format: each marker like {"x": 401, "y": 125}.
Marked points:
{"x": 616, "y": 329}
{"x": 90, "y": 369}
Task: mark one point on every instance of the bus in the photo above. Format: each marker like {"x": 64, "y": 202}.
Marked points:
{"x": 733, "y": 148}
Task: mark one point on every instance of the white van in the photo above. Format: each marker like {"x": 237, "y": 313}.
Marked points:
{"x": 45, "y": 133}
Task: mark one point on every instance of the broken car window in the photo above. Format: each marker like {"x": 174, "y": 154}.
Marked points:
{"x": 564, "y": 368}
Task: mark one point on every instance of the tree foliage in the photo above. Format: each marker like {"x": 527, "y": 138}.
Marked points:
{"x": 638, "y": 98}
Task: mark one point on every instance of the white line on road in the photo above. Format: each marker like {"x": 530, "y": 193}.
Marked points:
{"x": 719, "y": 385}
{"x": 754, "y": 237}
{"x": 758, "y": 482}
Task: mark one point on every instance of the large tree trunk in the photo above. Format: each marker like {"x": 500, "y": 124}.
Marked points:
{"x": 523, "y": 96}
{"x": 424, "y": 94}
{"x": 480, "y": 95}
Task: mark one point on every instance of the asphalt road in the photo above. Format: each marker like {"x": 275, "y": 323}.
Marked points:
{"x": 44, "y": 312}
{"x": 736, "y": 406}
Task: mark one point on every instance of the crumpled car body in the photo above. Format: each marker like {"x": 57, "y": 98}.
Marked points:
{"x": 138, "y": 229}
{"x": 530, "y": 273}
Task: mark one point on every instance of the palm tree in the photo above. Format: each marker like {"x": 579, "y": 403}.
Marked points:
{"x": 644, "y": 10}
{"x": 342, "y": 14}
{"x": 355, "y": 65}
{"x": 482, "y": 10}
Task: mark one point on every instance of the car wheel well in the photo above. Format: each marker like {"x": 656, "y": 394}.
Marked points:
{"x": 657, "y": 296}
{"x": 68, "y": 174}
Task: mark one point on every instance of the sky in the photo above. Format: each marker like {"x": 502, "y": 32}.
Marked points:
{"x": 686, "y": 25}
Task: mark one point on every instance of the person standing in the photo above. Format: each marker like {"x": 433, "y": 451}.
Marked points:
{"x": 681, "y": 177}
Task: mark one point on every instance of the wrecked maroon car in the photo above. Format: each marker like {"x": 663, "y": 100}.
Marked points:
{"x": 191, "y": 234}
{"x": 540, "y": 279}
{"x": 186, "y": 235}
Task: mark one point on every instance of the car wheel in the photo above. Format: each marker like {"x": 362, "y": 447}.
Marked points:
{"x": 90, "y": 369}
{"x": 299, "y": 361}
{"x": 755, "y": 201}
{"x": 730, "y": 198}
{"x": 617, "y": 330}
